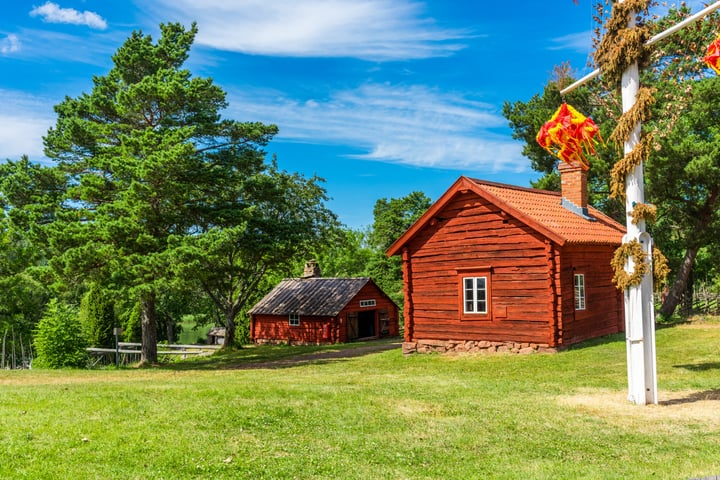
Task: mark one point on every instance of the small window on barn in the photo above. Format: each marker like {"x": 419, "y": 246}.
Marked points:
{"x": 368, "y": 303}
{"x": 294, "y": 320}
{"x": 475, "y": 294}
{"x": 579, "y": 292}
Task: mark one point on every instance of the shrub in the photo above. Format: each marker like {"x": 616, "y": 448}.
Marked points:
{"x": 132, "y": 328}
{"x": 97, "y": 317}
{"x": 58, "y": 338}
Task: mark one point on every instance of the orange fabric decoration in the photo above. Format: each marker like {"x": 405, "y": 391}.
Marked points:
{"x": 570, "y": 136}
{"x": 712, "y": 58}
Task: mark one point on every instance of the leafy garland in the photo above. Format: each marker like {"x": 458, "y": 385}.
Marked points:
{"x": 660, "y": 267}
{"x": 619, "y": 48}
{"x": 632, "y": 249}
{"x": 643, "y": 211}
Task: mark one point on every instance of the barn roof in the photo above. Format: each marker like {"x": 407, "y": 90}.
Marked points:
{"x": 315, "y": 296}
{"x": 541, "y": 210}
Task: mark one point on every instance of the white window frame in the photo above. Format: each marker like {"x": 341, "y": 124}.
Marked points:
{"x": 579, "y": 284}
{"x": 368, "y": 303}
{"x": 294, "y": 320}
{"x": 472, "y": 293}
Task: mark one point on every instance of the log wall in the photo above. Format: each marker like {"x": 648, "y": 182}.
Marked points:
{"x": 470, "y": 233}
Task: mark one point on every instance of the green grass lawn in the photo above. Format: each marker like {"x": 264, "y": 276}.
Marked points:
{"x": 379, "y": 415}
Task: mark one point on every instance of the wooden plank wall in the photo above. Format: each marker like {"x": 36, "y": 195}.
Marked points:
{"x": 604, "y": 313}
{"x": 277, "y": 328}
{"x": 469, "y": 233}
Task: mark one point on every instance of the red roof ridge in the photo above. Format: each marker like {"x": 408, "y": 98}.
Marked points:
{"x": 515, "y": 187}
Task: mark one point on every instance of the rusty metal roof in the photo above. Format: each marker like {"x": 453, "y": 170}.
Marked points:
{"x": 316, "y": 296}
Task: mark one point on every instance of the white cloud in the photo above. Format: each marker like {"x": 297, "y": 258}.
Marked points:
{"x": 95, "y": 48}
{"x": 579, "y": 42}
{"x": 369, "y": 29}
{"x": 24, "y": 120}
{"x": 413, "y": 125}
{"x": 9, "y": 44}
{"x": 53, "y": 13}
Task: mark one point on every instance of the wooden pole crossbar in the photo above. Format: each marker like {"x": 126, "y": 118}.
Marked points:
{"x": 660, "y": 36}
{"x": 639, "y": 304}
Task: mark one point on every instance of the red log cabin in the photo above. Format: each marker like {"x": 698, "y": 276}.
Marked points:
{"x": 316, "y": 310}
{"x": 504, "y": 268}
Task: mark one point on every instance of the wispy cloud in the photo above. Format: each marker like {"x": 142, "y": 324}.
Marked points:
{"x": 578, "y": 42}
{"x": 53, "y": 13}
{"x": 375, "y": 30}
{"x": 9, "y": 44}
{"x": 413, "y": 125}
{"x": 95, "y": 48}
{"x": 24, "y": 120}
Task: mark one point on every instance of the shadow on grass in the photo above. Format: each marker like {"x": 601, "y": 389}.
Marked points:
{"x": 283, "y": 356}
{"x": 700, "y": 367}
{"x": 594, "y": 342}
{"x": 694, "y": 397}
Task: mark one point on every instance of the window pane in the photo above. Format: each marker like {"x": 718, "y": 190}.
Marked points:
{"x": 580, "y": 292}
{"x": 475, "y": 294}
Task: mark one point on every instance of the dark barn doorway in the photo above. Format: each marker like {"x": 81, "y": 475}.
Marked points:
{"x": 366, "y": 324}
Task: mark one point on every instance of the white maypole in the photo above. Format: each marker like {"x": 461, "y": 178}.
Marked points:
{"x": 639, "y": 308}
{"x": 639, "y": 305}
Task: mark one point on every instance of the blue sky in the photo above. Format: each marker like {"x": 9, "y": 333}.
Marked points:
{"x": 379, "y": 97}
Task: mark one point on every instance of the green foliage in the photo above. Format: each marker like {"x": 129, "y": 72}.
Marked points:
{"x": 58, "y": 339}
{"x": 97, "y": 316}
{"x": 394, "y": 216}
{"x": 265, "y": 219}
{"x": 391, "y": 219}
{"x": 23, "y": 295}
{"x": 147, "y": 158}
{"x": 684, "y": 175}
{"x": 344, "y": 253}
{"x": 130, "y": 321}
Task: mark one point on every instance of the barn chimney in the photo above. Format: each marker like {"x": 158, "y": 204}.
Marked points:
{"x": 573, "y": 180}
{"x": 312, "y": 269}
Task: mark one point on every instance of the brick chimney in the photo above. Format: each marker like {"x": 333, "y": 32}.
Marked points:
{"x": 312, "y": 269}
{"x": 573, "y": 180}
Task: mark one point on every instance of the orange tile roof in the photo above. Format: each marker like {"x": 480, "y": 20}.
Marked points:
{"x": 539, "y": 209}
{"x": 545, "y": 208}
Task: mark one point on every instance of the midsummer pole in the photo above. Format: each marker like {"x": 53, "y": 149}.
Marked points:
{"x": 639, "y": 308}
{"x": 639, "y": 304}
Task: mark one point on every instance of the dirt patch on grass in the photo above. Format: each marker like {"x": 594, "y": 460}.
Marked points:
{"x": 675, "y": 410}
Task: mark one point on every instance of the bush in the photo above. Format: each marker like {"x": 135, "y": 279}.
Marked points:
{"x": 59, "y": 341}
{"x": 132, "y": 328}
{"x": 98, "y": 318}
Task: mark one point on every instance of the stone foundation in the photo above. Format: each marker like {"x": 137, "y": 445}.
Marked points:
{"x": 474, "y": 346}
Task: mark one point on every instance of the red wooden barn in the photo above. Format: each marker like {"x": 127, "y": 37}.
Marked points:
{"x": 314, "y": 310}
{"x": 500, "y": 267}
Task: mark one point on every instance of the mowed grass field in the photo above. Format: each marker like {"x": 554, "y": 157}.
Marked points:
{"x": 258, "y": 413}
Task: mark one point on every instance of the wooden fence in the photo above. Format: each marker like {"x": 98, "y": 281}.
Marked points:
{"x": 702, "y": 301}
{"x": 129, "y": 353}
